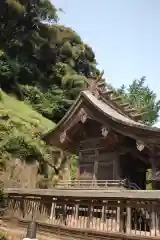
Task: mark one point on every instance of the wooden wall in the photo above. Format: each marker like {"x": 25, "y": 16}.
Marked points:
{"x": 96, "y": 161}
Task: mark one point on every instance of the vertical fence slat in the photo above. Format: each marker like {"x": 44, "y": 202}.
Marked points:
{"x": 133, "y": 216}
{"x": 128, "y": 218}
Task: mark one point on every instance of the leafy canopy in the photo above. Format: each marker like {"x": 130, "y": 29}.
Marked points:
{"x": 141, "y": 97}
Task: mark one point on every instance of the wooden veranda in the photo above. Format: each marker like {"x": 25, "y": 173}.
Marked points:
{"x": 129, "y": 213}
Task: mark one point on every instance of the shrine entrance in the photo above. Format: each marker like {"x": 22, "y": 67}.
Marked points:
{"x": 105, "y": 172}
{"x": 134, "y": 170}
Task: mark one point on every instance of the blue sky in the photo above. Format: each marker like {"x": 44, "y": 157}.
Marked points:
{"x": 124, "y": 34}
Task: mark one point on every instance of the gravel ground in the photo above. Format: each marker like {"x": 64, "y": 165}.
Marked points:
{"x": 17, "y": 233}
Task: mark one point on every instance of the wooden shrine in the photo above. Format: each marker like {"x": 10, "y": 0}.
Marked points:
{"x": 108, "y": 136}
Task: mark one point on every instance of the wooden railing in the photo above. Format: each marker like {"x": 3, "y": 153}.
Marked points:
{"x": 96, "y": 184}
{"x": 90, "y": 184}
{"x": 127, "y": 212}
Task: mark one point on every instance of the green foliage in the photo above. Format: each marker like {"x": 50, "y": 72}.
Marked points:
{"x": 4, "y": 235}
{"x": 89, "y": 53}
{"x": 20, "y": 131}
{"x": 149, "y": 177}
{"x": 47, "y": 11}
{"x": 16, "y": 6}
{"x": 39, "y": 58}
{"x": 73, "y": 84}
{"x": 141, "y": 97}
{"x": 66, "y": 49}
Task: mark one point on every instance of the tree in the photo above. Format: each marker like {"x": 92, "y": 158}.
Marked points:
{"x": 141, "y": 97}
{"x": 42, "y": 56}
{"x": 45, "y": 65}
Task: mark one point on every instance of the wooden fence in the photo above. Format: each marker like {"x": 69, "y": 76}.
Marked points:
{"x": 91, "y": 184}
{"x": 128, "y": 212}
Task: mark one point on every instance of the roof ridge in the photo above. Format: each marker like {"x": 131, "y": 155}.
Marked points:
{"x": 108, "y": 95}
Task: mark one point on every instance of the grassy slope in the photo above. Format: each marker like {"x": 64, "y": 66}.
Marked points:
{"x": 20, "y": 130}
{"x": 19, "y": 125}
{"x": 22, "y": 112}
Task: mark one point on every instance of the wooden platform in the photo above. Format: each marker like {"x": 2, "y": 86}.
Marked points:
{"x": 93, "y": 193}
{"x": 126, "y": 212}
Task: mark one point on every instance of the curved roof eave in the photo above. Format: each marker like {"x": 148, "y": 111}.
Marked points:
{"x": 107, "y": 111}
{"x": 114, "y": 115}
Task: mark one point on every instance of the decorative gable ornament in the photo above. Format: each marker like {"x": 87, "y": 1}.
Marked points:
{"x": 63, "y": 136}
{"x": 140, "y": 145}
{"x": 104, "y": 131}
{"x": 83, "y": 115}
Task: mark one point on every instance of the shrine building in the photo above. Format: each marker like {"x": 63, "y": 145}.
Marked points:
{"x": 108, "y": 137}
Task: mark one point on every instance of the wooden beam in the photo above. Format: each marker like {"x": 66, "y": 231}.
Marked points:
{"x": 101, "y": 84}
{"x": 130, "y": 110}
{"x": 140, "y": 121}
{"x": 107, "y": 92}
{"x": 138, "y": 115}
{"x": 124, "y": 104}
{"x": 99, "y": 77}
{"x": 64, "y": 137}
{"x": 116, "y": 98}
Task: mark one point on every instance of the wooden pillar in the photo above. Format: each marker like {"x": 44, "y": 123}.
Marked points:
{"x": 116, "y": 168}
{"x": 122, "y": 225}
{"x": 78, "y": 172}
{"x": 128, "y": 218}
{"x": 22, "y": 210}
{"x": 154, "y": 224}
{"x": 103, "y": 213}
{"x": 76, "y": 211}
{"x": 64, "y": 213}
{"x": 78, "y": 165}
{"x": 118, "y": 217}
{"x": 95, "y": 165}
{"x": 153, "y": 212}
{"x": 153, "y": 165}
{"x": 52, "y": 213}
{"x": 89, "y": 214}
{"x": 95, "y": 169}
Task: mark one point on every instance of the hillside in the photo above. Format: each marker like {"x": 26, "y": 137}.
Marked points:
{"x": 22, "y": 113}
{"x": 22, "y": 151}
{"x": 43, "y": 67}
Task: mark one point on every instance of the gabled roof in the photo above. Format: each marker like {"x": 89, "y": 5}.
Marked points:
{"x": 104, "y": 112}
{"x": 100, "y": 104}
